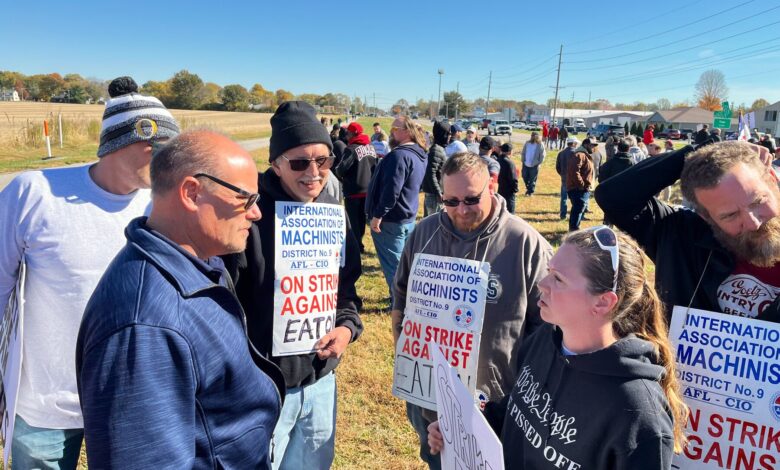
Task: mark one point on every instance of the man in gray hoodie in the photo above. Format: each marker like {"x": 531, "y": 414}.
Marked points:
{"x": 477, "y": 226}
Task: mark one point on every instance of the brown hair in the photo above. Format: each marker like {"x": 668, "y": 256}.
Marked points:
{"x": 416, "y": 131}
{"x": 464, "y": 161}
{"x": 638, "y": 310}
{"x": 705, "y": 167}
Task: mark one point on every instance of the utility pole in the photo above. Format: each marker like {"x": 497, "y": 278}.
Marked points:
{"x": 438, "y": 103}
{"x": 589, "y": 100}
{"x": 487, "y": 103}
{"x": 557, "y": 83}
{"x": 375, "y": 112}
{"x": 457, "y": 101}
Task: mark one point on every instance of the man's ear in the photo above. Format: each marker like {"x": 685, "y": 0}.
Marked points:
{"x": 275, "y": 167}
{"x": 189, "y": 191}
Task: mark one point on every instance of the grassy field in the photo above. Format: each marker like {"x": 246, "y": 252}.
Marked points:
{"x": 21, "y": 131}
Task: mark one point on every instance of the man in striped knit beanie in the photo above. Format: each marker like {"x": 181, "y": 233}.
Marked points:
{"x": 62, "y": 227}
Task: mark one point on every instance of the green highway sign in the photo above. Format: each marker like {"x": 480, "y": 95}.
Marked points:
{"x": 722, "y": 123}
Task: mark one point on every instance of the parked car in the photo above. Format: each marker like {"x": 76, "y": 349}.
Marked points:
{"x": 499, "y": 127}
{"x": 533, "y": 126}
{"x": 572, "y": 130}
{"x": 673, "y": 134}
{"x": 581, "y": 129}
{"x": 731, "y": 135}
{"x": 518, "y": 125}
{"x": 687, "y": 133}
{"x": 601, "y": 131}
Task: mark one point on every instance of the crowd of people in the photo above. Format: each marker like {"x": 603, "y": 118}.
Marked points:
{"x": 158, "y": 269}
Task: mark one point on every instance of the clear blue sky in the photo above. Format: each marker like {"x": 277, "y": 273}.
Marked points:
{"x": 625, "y": 51}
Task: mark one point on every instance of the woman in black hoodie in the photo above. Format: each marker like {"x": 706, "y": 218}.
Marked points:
{"x": 596, "y": 386}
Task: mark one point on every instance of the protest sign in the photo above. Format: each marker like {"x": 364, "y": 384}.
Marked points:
{"x": 445, "y": 304}
{"x": 309, "y": 251}
{"x": 11, "y": 360}
{"x": 729, "y": 372}
{"x": 469, "y": 442}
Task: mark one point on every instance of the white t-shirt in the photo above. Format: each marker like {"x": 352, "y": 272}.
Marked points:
{"x": 68, "y": 229}
{"x": 454, "y": 147}
{"x": 530, "y": 152}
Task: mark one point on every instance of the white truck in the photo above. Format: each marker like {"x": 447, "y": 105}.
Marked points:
{"x": 499, "y": 127}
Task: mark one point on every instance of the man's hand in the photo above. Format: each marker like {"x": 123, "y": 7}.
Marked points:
{"x": 435, "y": 438}
{"x": 763, "y": 153}
{"x": 334, "y": 343}
{"x": 396, "y": 321}
{"x": 375, "y": 222}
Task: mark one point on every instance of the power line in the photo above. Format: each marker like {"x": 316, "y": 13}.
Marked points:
{"x": 530, "y": 68}
{"x": 662, "y": 32}
{"x": 507, "y": 86}
{"x": 679, "y": 40}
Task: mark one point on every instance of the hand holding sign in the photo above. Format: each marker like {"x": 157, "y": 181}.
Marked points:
{"x": 435, "y": 438}
{"x": 334, "y": 343}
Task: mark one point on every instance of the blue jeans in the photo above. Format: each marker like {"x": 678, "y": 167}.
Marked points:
{"x": 420, "y": 425}
{"x": 41, "y": 448}
{"x": 530, "y": 173}
{"x": 579, "y": 199}
{"x": 389, "y": 244}
{"x": 304, "y": 437}
{"x": 564, "y": 196}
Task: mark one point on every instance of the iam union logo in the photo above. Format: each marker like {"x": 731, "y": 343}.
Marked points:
{"x": 464, "y": 316}
{"x": 774, "y": 406}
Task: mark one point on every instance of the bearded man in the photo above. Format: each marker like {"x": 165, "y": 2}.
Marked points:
{"x": 723, "y": 257}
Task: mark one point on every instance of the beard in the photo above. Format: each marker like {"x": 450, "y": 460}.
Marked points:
{"x": 393, "y": 143}
{"x": 760, "y": 248}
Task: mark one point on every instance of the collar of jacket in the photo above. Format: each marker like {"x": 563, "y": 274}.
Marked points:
{"x": 186, "y": 272}
{"x": 271, "y": 189}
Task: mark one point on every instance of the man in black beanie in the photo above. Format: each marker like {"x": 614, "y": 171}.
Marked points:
{"x": 282, "y": 247}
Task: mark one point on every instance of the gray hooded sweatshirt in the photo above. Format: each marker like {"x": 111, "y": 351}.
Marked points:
{"x": 518, "y": 257}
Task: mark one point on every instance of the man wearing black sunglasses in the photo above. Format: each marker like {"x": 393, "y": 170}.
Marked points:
{"x": 301, "y": 161}
{"x": 476, "y": 225}
{"x": 162, "y": 354}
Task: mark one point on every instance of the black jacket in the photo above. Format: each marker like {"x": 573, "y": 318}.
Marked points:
{"x": 678, "y": 240}
{"x": 702, "y": 136}
{"x": 507, "y": 177}
{"x": 619, "y": 162}
{"x": 431, "y": 183}
{"x": 562, "y": 162}
{"x": 604, "y": 410}
{"x": 356, "y": 167}
{"x": 253, "y": 275}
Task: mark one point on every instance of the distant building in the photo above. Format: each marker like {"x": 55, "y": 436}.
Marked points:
{"x": 9, "y": 95}
{"x": 767, "y": 119}
{"x": 684, "y": 118}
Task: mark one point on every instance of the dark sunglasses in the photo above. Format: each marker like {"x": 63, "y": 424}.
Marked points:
{"x": 251, "y": 198}
{"x": 467, "y": 201}
{"x": 303, "y": 164}
{"x": 607, "y": 241}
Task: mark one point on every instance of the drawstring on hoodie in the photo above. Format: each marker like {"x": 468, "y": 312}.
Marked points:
{"x": 690, "y": 302}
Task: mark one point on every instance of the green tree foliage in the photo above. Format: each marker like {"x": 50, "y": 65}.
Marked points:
{"x": 625, "y": 126}
{"x": 633, "y": 128}
{"x": 758, "y": 104}
{"x": 639, "y": 129}
{"x": 160, "y": 90}
{"x": 235, "y": 98}
{"x": 283, "y": 95}
{"x": 212, "y": 96}
{"x": 264, "y": 98}
{"x": 451, "y": 101}
{"x": 186, "y": 90}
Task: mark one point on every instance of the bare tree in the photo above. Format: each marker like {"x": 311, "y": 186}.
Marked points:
{"x": 663, "y": 104}
{"x": 711, "y": 89}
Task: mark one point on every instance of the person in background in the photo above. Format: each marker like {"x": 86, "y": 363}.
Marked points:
{"x": 552, "y": 138}
{"x": 354, "y": 171}
{"x": 471, "y": 141}
{"x": 532, "y": 156}
{"x": 561, "y": 167}
{"x": 489, "y": 148}
{"x": 431, "y": 184}
{"x": 507, "y": 177}
{"x": 602, "y": 359}
{"x": 455, "y": 145}
{"x": 668, "y": 146}
{"x": 379, "y": 133}
{"x": 562, "y": 136}
{"x": 579, "y": 180}
{"x": 648, "y": 137}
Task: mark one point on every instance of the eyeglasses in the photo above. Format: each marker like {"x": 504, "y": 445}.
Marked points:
{"x": 303, "y": 164}
{"x": 607, "y": 241}
{"x": 467, "y": 201}
{"x": 251, "y": 198}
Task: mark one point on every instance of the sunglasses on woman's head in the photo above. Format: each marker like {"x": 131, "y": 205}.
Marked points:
{"x": 303, "y": 164}
{"x": 607, "y": 241}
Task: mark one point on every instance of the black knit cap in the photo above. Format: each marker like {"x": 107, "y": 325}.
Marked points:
{"x": 295, "y": 123}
